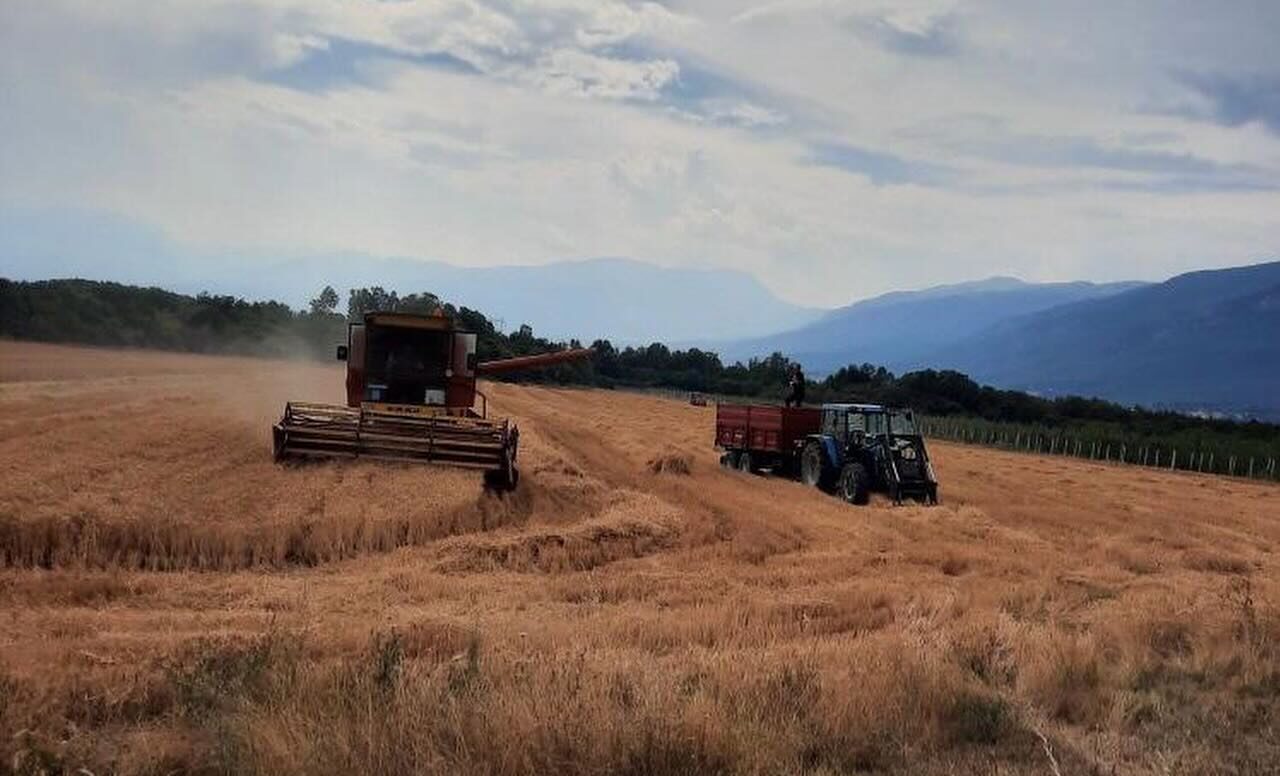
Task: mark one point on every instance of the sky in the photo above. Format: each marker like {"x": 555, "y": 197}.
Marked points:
{"x": 834, "y": 150}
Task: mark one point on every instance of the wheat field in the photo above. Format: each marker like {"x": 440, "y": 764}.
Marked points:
{"x": 171, "y": 601}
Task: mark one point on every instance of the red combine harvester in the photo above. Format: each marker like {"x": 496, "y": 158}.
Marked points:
{"x": 411, "y": 396}
{"x": 850, "y": 449}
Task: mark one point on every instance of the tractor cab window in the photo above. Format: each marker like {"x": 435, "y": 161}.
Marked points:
{"x": 833, "y": 423}
{"x": 877, "y": 423}
{"x": 902, "y": 423}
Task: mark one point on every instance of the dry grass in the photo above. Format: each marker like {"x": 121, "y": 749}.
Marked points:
{"x": 172, "y": 601}
{"x": 671, "y": 463}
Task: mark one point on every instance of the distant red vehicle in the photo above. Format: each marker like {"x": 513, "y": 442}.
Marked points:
{"x": 763, "y": 436}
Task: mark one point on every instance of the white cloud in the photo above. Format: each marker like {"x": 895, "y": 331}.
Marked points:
{"x": 911, "y": 16}
{"x": 290, "y": 49}
{"x": 610, "y": 23}
{"x": 583, "y": 74}
{"x": 743, "y": 113}
{"x": 503, "y": 131}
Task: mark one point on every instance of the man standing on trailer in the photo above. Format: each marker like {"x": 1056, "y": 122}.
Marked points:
{"x": 795, "y": 386}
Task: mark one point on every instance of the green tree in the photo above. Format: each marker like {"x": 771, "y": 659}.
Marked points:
{"x": 365, "y": 300}
{"x": 326, "y": 303}
{"x": 424, "y": 304}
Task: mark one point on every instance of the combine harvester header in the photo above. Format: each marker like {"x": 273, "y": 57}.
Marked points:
{"x": 411, "y": 396}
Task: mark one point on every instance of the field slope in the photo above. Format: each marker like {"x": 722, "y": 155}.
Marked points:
{"x": 170, "y": 600}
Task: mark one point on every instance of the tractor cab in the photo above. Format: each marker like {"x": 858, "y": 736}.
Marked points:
{"x": 864, "y": 447}
{"x": 846, "y": 422}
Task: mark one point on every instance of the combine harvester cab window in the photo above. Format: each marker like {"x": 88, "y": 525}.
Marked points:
{"x": 407, "y": 365}
{"x": 464, "y": 354}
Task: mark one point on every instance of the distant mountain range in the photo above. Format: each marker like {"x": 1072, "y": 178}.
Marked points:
{"x": 1201, "y": 341}
{"x": 909, "y": 329}
{"x": 622, "y": 299}
{"x": 625, "y": 300}
{"x": 1204, "y": 341}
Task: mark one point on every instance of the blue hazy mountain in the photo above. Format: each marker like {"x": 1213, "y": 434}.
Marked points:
{"x": 906, "y": 329}
{"x": 1206, "y": 340}
{"x": 622, "y": 299}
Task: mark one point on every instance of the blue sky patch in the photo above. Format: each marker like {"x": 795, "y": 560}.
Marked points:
{"x": 884, "y": 169}
{"x": 340, "y": 64}
{"x": 1236, "y": 100}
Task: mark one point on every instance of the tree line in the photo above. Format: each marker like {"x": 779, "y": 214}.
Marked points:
{"x": 116, "y": 315}
{"x": 112, "y": 314}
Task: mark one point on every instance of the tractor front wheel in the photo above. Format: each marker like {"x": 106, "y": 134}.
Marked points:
{"x": 854, "y": 486}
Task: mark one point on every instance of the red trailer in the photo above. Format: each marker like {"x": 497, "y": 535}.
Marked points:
{"x": 763, "y": 436}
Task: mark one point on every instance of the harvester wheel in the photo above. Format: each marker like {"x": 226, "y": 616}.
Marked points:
{"x": 814, "y": 471}
{"x": 745, "y": 464}
{"x": 854, "y": 486}
{"x": 277, "y": 442}
{"x": 504, "y": 479}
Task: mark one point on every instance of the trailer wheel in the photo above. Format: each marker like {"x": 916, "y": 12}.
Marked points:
{"x": 745, "y": 464}
{"x": 730, "y": 459}
{"x": 854, "y": 486}
{"x": 813, "y": 466}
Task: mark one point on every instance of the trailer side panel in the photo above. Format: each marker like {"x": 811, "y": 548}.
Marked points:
{"x": 764, "y": 428}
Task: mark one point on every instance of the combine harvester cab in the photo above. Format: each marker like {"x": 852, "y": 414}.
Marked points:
{"x": 411, "y": 396}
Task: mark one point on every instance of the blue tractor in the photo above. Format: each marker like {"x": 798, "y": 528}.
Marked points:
{"x": 864, "y": 447}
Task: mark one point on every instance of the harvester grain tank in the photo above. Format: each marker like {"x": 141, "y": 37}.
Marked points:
{"x": 412, "y": 396}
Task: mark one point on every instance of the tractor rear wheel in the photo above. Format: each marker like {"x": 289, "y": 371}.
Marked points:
{"x": 854, "y": 484}
{"x": 745, "y": 464}
{"x": 813, "y": 466}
